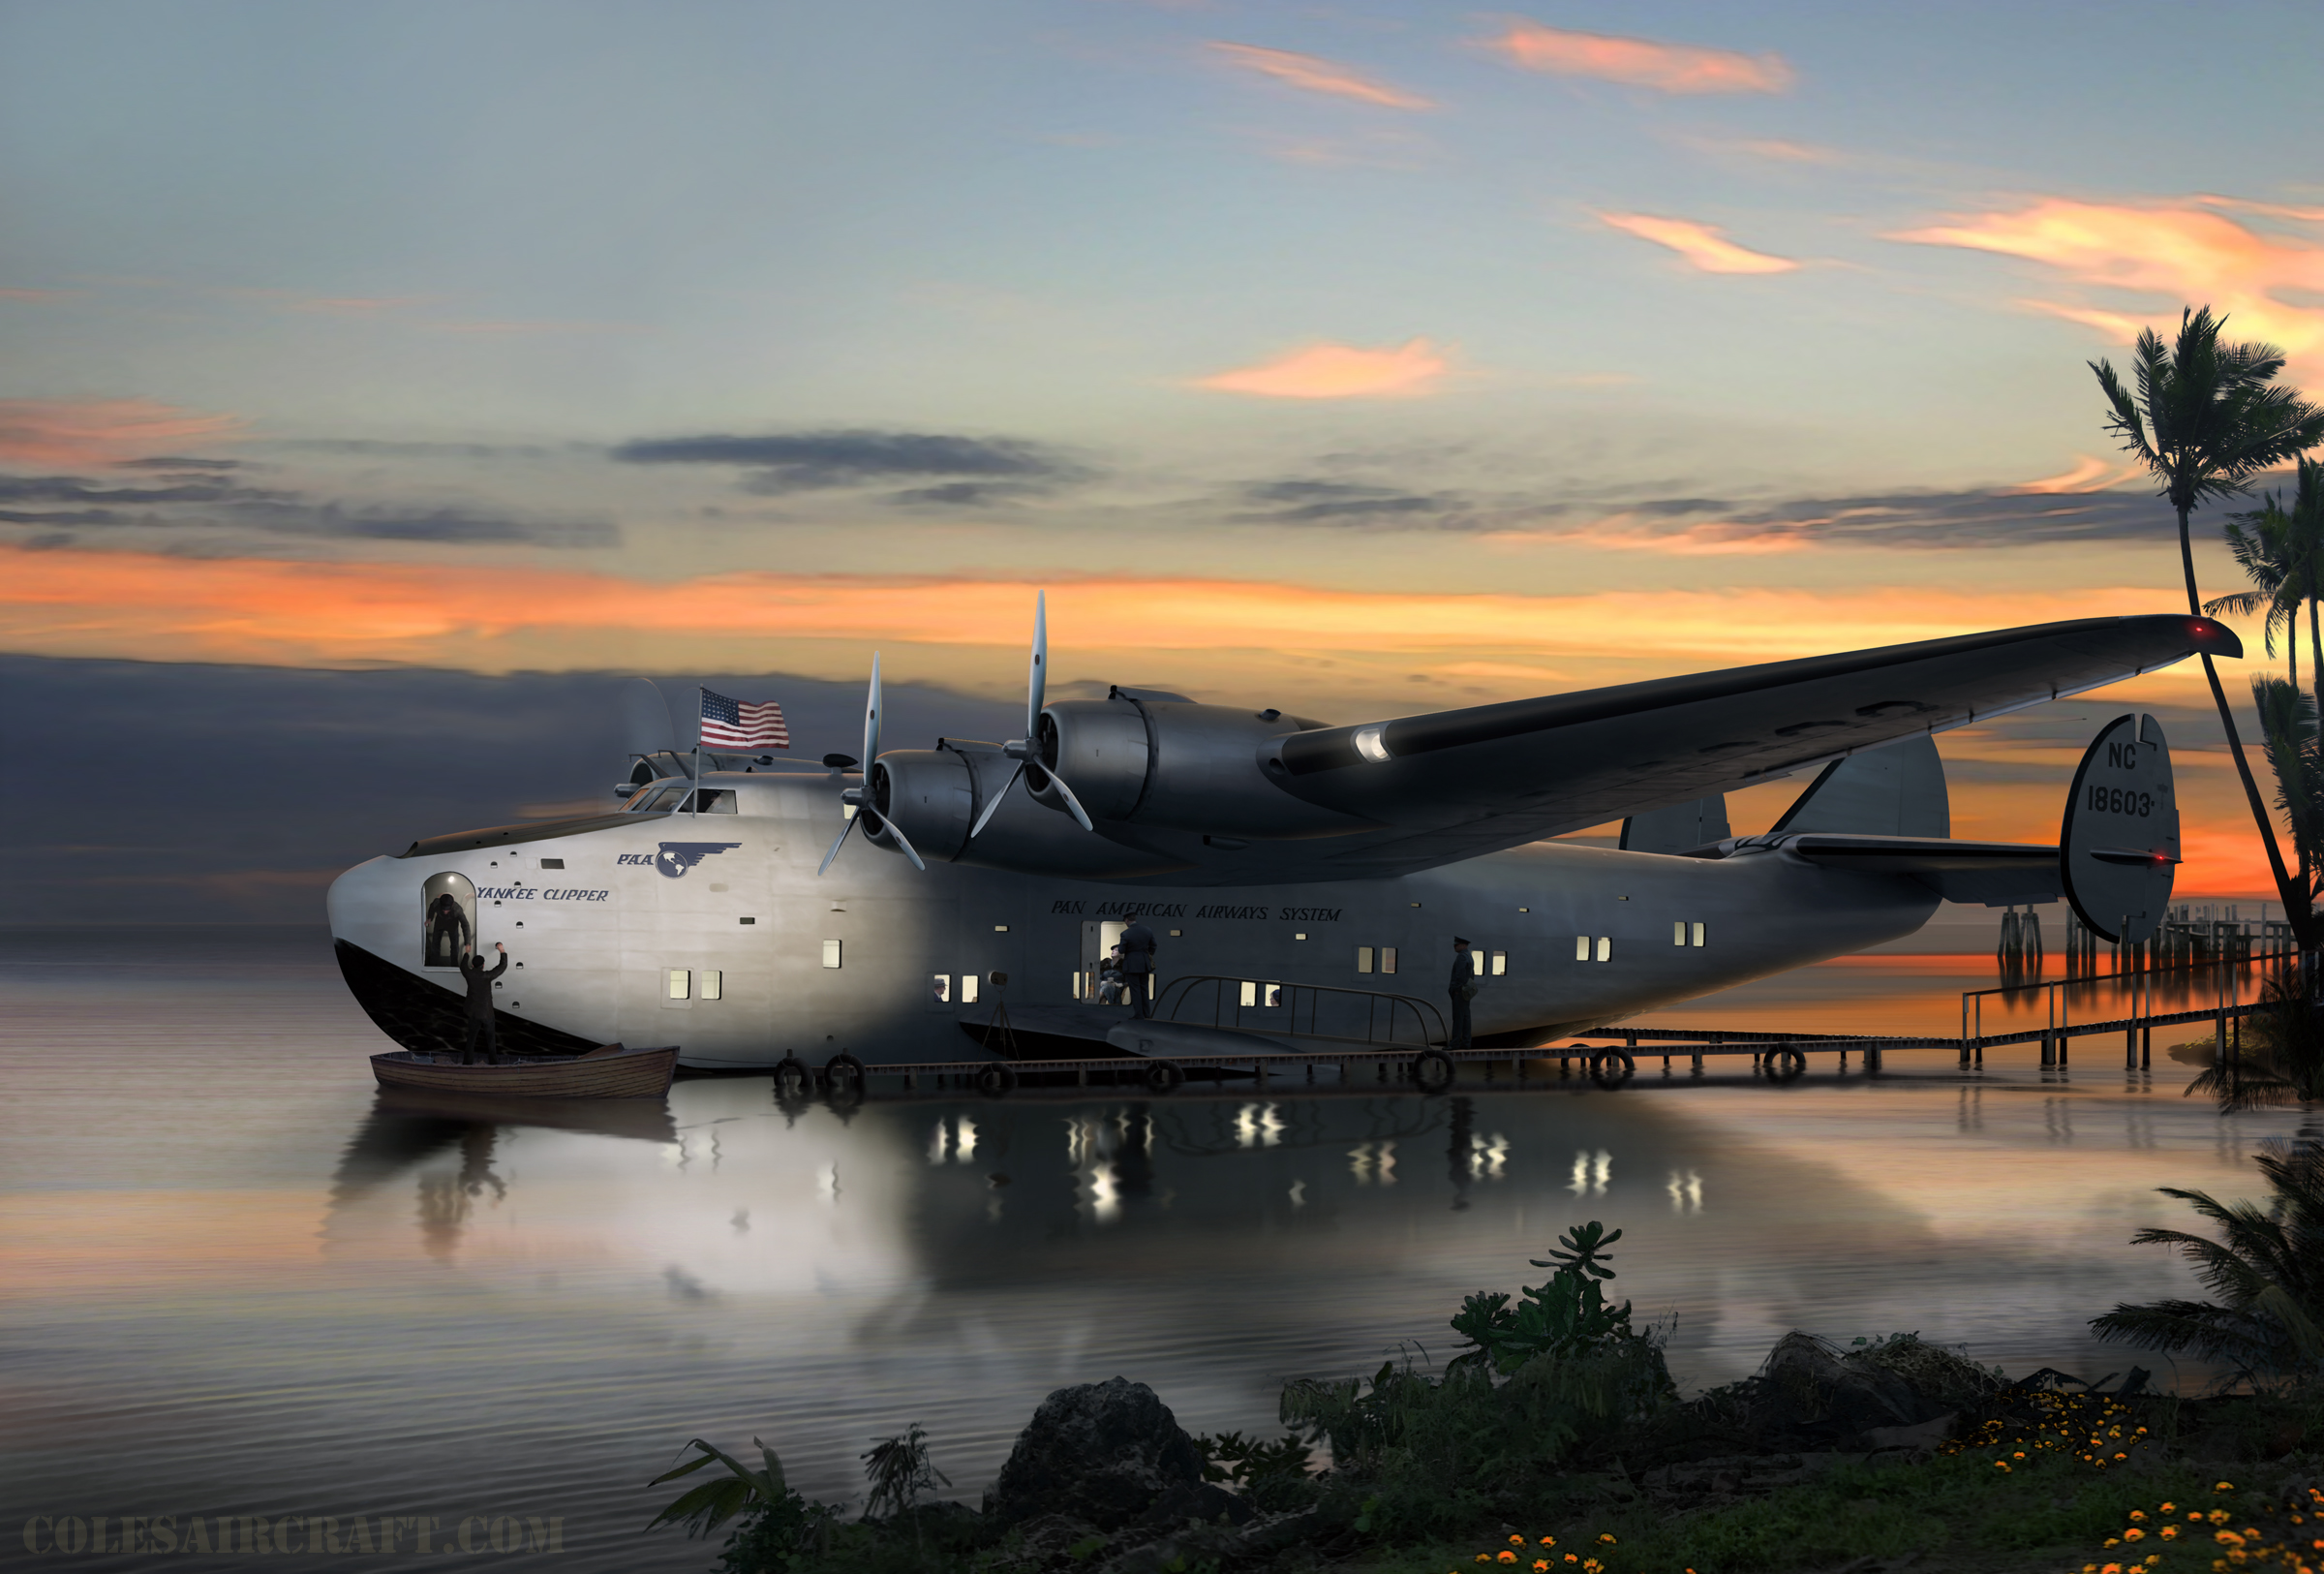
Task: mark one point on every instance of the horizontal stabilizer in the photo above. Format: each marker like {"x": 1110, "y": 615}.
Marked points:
{"x": 1987, "y": 874}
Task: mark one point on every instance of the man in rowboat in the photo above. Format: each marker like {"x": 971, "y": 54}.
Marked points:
{"x": 480, "y": 1023}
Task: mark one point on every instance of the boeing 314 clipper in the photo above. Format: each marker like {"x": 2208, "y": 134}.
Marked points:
{"x": 881, "y": 912}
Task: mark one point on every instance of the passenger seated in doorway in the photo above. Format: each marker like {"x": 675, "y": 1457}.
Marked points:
{"x": 1109, "y": 978}
{"x": 481, "y": 1025}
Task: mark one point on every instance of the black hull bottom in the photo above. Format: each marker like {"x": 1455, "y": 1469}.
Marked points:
{"x": 427, "y": 1017}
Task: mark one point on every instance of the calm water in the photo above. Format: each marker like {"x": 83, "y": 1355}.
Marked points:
{"x": 235, "y": 1282}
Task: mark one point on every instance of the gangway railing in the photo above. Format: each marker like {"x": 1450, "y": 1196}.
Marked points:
{"x": 1275, "y": 1006}
{"x": 2228, "y": 967}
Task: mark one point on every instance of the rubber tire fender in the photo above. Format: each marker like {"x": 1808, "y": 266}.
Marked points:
{"x": 994, "y": 1080}
{"x": 1161, "y": 1076}
{"x": 844, "y": 1068}
{"x": 792, "y": 1078}
{"x": 1788, "y": 1065}
{"x": 1432, "y": 1070}
{"x": 1611, "y": 1067}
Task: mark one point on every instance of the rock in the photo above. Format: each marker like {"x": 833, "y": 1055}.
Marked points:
{"x": 1923, "y": 1437}
{"x": 1206, "y": 1503}
{"x": 1100, "y": 1453}
{"x": 1807, "y": 1389}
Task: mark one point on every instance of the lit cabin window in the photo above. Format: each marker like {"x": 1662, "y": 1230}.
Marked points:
{"x": 552, "y": 863}
{"x": 711, "y": 801}
{"x": 968, "y": 989}
{"x": 681, "y": 984}
{"x": 1387, "y": 959}
{"x": 713, "y": 983}
{"x": 1605, "y": 947}
{"x": 1363, "y": 959}
{"x": 831, "y": 953}
{"x": 1678, "y": 933}
{"x": 1476, "y": 963}
{"x": 1500, "y": 964}
{"x": 1271, "y": 995}
{"x": 941, "y": 989}
{"x": 1698, "y": 934}
{"x": 1077, "y": 980}
{"x": 1249, "y": 994}
{"x": 1581, "y": 948}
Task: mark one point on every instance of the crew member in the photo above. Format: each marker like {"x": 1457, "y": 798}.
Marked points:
{"x": 480, "y": 1024}
{"x": 1462, "y": 988}
{"x": 1138, "y": 964}
{"x": 447, "y": 932}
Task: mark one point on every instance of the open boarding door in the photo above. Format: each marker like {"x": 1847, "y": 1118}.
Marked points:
{"x": 1099, "y": 937}
{"x": 2118, "y": 851}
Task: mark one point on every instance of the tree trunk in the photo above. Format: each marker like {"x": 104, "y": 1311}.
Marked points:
{"x": 2296, "y": 906}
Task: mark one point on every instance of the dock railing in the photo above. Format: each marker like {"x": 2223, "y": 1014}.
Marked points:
{"x": 2226, "y": 964}
{"x": 1348, "y": 1016}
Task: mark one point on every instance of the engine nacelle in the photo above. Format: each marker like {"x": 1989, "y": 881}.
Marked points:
{"x": 1181, "y": 765}
{"x": 935, "y": 795}
{"x": 929, "y": 793}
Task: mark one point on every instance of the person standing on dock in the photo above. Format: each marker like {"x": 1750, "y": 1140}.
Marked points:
{"x": 1462, "y": 988}
{"x": 1138, "y": 964}
{"x": 480, "y": 1022}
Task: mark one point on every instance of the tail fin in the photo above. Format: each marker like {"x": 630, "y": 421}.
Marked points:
{"x": 1895, "y": 790}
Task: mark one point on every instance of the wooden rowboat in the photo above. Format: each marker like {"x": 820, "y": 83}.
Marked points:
{"x": 608, "y": 1073}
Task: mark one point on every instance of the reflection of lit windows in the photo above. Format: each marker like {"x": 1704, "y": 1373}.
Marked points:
{"x": 681, "y": 984}
{"x": 1363, "y": 959}
{"x": 831, "y": 953}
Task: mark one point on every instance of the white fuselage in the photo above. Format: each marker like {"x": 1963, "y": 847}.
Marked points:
{"x": 623, "y": 940}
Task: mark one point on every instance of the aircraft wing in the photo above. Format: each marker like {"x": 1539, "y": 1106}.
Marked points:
{"x": 1462, "y": 782}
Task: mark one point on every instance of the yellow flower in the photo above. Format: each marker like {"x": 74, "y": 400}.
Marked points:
{"x": 2170, "y": 1533}
{"x": 2223, "y": 1486}
{"x": 2228, "y": 1539}
{"x": 1607, "y": 1536}
{"x": 1541, "y": 1565}
{"x": 1485, "y": 1557}
{"x": 2138, "y": 1513}
{"x": 1509, "y": 1557}
{"x": 2168, "y": 1508}
{"x": 2135, "y": 1533}
{"x": 1517, "y": 1541}
{"x": 1549, "y": 1541}
{"x": 2111, "y": 1541}
{"x": 2002, "y": 1466}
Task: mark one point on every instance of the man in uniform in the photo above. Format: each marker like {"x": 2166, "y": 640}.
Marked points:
{"x": 480, "y": 1023}
{"x": 1138, "y": 963}
{"x": 1462, "y": 988}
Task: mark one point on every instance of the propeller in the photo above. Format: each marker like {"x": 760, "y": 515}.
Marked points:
{"x": 1041, "y": 783}
{"x": 863, "y": 799}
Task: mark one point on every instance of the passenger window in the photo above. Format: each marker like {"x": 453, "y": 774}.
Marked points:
{"x": 1699, "y": 934}
{"x": 1500, "y": 962}
{"x": 1606, "y": 948}
{"x": 681, "y": 984}
{"x": 711, "y": 981}
{"x": 1678, "y": 933}
{"x": 967, "y": 989}
{"x": 1581, "y": 948}
{"x": 1363, "y": 959}
{"x": 1387, "y": 959}
{"x": 942, "y": 986}
{"x": 1249, "y": 994}
{"x": 1476, "y": 963}
{"x": 831, "y": 953}
{"x": 713, "y": 801}
{"x": 448, "y": 919}
{"x": 1274, "y": 995}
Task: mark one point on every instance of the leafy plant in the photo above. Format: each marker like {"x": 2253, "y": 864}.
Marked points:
{"x": 1567, "y": 1316}
{"x": 899, "y": 1472}
{"x": 2267, "y": 1273}
{"x": 776, "y": 1524}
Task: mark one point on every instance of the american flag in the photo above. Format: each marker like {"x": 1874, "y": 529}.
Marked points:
{"x": 730, "y": 724}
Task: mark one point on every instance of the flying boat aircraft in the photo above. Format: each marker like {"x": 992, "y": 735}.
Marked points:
{"x": 1302, "y": 878}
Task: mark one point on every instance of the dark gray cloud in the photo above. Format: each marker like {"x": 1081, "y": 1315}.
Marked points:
{"x": 175, "y": 461}
{"x": 376, "y": 449}
{"x": 1310, "y": 501}
{"x": 278, "y": 779}
{"x": 200, "y": 499}
{"x": 963, "y": 470}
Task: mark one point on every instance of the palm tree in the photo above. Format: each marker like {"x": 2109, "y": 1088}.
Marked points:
{"x": 2265, "y": 546}
{"x": 2207, "y": 418}
{"x": 2268, "y": 1274}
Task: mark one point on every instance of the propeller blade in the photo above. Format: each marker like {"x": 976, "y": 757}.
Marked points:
{"x": 1036, "y": 682}
{"x": 1071, "y": 802}
{"x": 871, "y": 721}
{"x": 902, "y": 841}
{"x": 835, "y": 846}
{"x": 982, "y": 821}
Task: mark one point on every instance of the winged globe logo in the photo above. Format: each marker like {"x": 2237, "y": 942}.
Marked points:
{"x": 677, "y": 858}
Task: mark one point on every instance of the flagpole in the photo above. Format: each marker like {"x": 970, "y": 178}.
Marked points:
{"x": 697, "y": 801}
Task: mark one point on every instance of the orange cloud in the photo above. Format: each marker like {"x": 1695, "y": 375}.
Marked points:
{"x": 2183, "y": 254}
{"x": 2087, "y": 474}
{"x": 1668, "y": 68}
{"x": 1314, "y": 74}
{"x": 55, "y": 434}
{"x": 1704, "y": 245}
{"x": 34, "y": 294}
{"x": 1339, "y": 371}
{"x": 1626, "y": 533}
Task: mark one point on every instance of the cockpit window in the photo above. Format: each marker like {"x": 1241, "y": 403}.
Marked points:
{"x": 713, "y": 801}
{"x": 666, "y": 799}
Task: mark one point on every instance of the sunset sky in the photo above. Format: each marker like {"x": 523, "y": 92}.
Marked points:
{"x": 1359, "y": 359}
